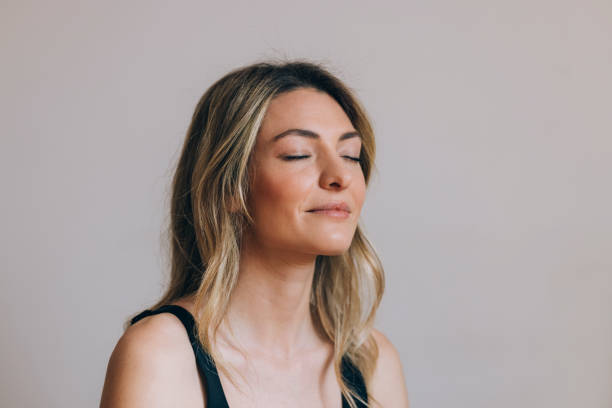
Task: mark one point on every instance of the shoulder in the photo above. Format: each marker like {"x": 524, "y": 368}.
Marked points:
{"x": 150, "y": 364}
{"x": 388, "y": 385}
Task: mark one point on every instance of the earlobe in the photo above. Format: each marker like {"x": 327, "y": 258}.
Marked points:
{"x": 233, "y": 205}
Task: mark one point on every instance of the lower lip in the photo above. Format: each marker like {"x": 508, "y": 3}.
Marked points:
{"x": 332, "y": 213}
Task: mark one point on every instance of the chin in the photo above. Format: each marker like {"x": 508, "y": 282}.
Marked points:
{"x": 331, "y": 242}
{"x": 332, "y": 248}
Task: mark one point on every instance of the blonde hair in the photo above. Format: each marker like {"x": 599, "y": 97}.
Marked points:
{"x": 212, "y": 177}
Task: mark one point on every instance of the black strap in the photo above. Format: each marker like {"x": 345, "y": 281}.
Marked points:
{"x": 352, "y": 376}
{"x": 215, "y": 397}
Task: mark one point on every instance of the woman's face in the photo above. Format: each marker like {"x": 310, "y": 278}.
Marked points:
{"x": 296, "y": 173}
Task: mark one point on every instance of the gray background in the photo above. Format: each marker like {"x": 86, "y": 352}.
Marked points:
{"x": 490, "y": 207}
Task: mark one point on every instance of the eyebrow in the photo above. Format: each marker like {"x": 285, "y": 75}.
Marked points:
{"x": 312, "y": 135}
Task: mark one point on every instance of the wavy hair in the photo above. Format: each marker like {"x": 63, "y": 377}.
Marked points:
{"x": 205, "y": 231}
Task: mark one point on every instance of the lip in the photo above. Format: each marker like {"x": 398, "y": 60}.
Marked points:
{"x": 338, "y": 214}
{"x": 334, "y": 206}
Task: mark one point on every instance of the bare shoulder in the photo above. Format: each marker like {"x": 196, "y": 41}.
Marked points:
{"x": 152, "y": 365}
{"x": 388, "y": 385}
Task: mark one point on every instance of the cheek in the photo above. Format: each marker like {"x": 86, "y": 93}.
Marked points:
{"x": 277, "y": 194}
{"x": 359, "y": 190}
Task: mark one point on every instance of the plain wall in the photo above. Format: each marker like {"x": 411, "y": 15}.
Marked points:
{"x": 490, "y": 206}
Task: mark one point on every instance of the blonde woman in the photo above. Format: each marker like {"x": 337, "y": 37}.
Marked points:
{"x": 273, "y": 287}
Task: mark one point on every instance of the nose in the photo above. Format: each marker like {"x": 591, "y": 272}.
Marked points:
{"x": 335, "y": 173}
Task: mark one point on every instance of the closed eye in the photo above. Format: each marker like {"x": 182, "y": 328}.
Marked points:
{"x": 289, "y": 158}
{"x": 294, "y": 157}
{"x": 355, "y": 159}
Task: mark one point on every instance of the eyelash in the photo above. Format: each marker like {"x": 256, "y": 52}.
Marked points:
{"x": 290, "y": 158}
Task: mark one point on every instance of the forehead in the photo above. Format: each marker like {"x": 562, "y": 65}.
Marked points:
{"x": 304, "y": 108}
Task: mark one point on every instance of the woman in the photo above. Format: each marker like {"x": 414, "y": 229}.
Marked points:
{"x": 274, "y": 287}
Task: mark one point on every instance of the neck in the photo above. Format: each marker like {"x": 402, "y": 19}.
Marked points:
{"x": 269, "y": 310}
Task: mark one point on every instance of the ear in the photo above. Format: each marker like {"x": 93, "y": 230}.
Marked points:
{"x": 233, "y": 204}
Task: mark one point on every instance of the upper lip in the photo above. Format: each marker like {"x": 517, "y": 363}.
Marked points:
{"x": 335, "y": 205}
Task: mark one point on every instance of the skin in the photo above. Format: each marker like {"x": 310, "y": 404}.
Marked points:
{"x": 274, "y": 346}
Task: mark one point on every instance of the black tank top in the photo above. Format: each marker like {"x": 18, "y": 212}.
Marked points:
{"x": 215, "y": 397}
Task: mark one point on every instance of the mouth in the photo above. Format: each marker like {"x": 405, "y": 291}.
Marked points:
{"x": 338, "y": 210}
{"x": 333, "y": 206}
{"x": 331, "y": 213}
